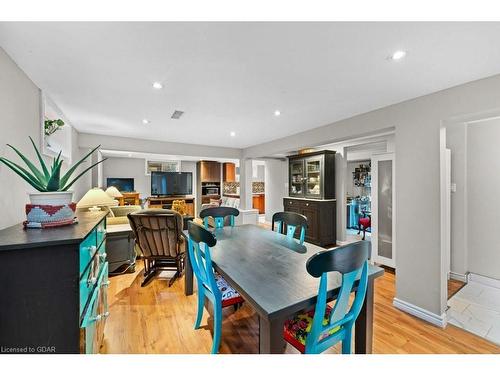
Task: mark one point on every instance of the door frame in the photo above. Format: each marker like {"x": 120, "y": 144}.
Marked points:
{"x": 374, "y": 219}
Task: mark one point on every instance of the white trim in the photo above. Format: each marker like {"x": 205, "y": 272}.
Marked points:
{"x": 386, "y": 156}
{"x": 437, "y": 320}
{"x": 458, "y": 276}
{"x": 484, "y": 280}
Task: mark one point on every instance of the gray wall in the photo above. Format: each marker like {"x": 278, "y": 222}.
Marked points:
{"x": 276, "y": 175}
{"x": 135, "y": 168}
{"x": 483, "y": 197}
{"x": 20, "y": 118}
{"x": 417, "y": 126}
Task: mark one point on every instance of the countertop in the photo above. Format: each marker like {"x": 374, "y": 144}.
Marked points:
{"x": 237, "y": 195}
{"x": 16, "y": 237}
{"x": 311, "y": 199}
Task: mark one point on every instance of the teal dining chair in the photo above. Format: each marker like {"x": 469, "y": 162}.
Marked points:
{"x": 288, "y": 222}
{"x": 317, "y": 330}
{"x": 219, "y": 215}
{"x": 210, "y": 285}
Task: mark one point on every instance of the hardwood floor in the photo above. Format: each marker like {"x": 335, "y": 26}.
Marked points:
{"x": 159, "y": 319}
{"x": 454, "y": 286}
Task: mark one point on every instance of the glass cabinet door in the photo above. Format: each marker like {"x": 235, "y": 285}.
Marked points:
{"x": 313, "y": 177}
{"x": 297, "y": 177}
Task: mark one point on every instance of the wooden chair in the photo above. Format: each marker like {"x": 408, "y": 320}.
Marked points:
{"x": 315, "y": 331}
{"x": 288, "y": 222}
{"x": 219, "y": 214}
{"x": 158, "y": 233}
{"x": 210, "y": 285}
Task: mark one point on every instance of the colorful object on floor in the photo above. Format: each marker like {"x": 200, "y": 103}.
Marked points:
{"x": 331, "y": 325}
{"x": 44, "y": 216}
{"x": 179, "y": 205}
{"x": 200, "y": 242}
{"x": 297, "y": 328}
{"x": 290, "y": 221}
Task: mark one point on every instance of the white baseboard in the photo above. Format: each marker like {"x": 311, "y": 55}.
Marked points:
{"x": 458, "y": 276}
{"x": 437, "y": 320}
{"x": 484, "y": 280}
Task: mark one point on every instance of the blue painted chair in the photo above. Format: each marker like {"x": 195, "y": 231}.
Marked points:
{"x": 287, "y": 223}
{"x": 210, "y": 285}
{"x": 219, "y": 215}
{"x": 317, "y": 330}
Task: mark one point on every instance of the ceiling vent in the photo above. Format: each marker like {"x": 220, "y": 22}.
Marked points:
{"x": 177, "y": 115}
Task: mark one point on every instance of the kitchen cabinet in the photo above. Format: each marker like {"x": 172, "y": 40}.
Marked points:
{"x": 259, "y": 203}
{"x": 321, "y": 219}
{"x": 209, "y": 171}
{"x": 228, "y": 172}
{"x": 312, "y": 175}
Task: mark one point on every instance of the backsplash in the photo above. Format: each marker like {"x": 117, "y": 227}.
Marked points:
{"x": 232, "y": 187}
{"x": 257, "y": 187}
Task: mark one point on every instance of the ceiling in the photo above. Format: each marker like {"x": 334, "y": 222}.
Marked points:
{"x": 233, "y": 76}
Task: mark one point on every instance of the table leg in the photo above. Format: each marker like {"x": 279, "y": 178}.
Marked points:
{"x": 271, "y": 336}
{"x": 188, "y": 276}
{"x": 363, "y": 335}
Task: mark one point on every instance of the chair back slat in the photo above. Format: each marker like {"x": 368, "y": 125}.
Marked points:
{"x": 157, "y": 232}
{"x": 352, "y": 262}
{"x": 290, "y": 221}
{"x": 200, "y": 241}
{"x": 219, "y": 214}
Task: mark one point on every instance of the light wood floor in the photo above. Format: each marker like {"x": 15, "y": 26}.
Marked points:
{"x": 158, "y": 319}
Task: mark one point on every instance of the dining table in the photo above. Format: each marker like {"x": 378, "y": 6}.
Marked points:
{"x": 268, "y": 269}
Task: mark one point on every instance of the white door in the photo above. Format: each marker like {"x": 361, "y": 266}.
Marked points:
{"x": 383, "y": 218}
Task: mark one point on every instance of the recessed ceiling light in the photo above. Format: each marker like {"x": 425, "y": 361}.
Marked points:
{"x": 232, "y": 134}
{"x": 145, "y": 121}
{"x": 157, "y": 85}
{"x": 277, "y": 113}
{"x": 398, "y": 55}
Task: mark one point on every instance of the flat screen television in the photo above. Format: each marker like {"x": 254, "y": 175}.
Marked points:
{"x": 122, "y": 184}
{"x": 171, "y": 183}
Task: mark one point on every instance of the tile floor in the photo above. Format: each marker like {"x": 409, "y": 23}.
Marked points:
{"x": 476, "y": 309}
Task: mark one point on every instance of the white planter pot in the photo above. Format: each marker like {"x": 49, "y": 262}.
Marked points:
{"x": 55, "y": 198}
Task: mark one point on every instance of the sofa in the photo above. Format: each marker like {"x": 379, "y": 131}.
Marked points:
{"x": 120, "y": 245}
{"x": 223, "y": 202}
{"x": 118, "y": 214}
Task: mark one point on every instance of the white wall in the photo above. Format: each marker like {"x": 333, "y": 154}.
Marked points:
{"x": 276, "y": 175}
{"x": 483, "y": 197}
{"x": 135, "y": 168}
{"x": 20, "y": 118}
{"x": 156, "y": 147}
{"x": 417, "y": 126}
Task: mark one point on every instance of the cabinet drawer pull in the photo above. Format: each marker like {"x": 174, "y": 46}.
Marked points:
{"x": 307, "y": 204}
{"x": 290, "y": 202}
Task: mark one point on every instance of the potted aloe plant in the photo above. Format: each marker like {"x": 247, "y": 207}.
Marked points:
{"x": 53, "y": 190}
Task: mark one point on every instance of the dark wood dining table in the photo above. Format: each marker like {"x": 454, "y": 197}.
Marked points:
{"x": 269, "y": 271}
